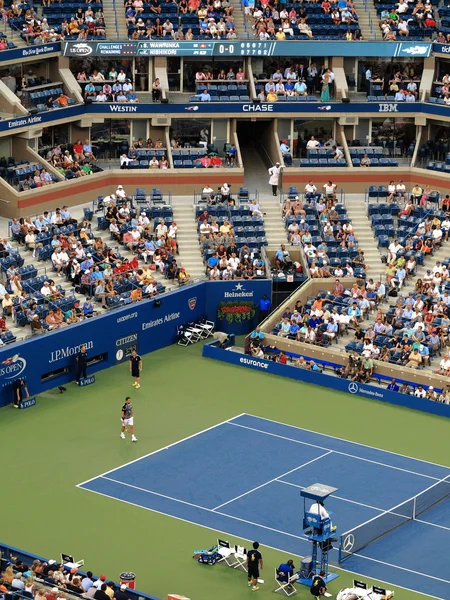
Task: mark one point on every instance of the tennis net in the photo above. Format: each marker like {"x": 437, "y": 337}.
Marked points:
{"x": 359, "y": 537}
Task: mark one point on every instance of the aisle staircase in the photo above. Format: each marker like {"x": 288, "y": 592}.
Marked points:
{"x": 357, "y": 212}
{"x": 188, "y": 244}
{"x": 368, "y": 19}
{"x": 112, "y": 18}
{"x": 273, "y": 222}
{"x": 239, "y": 19}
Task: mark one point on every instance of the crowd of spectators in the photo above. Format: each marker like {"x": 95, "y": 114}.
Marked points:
{"x": 406, "y": 19}
{"x": 98, "y": 271}
{"x": 184, "y": 20}
{"x": 149, "y": 154}
{"x": 86, "y": 23}
{"x": 115, "y": 86}
{"x": 77, "y": 162}
{"x": 226, "y": 258}
{"x": 409, "y": 334}
{"x": 296, "y": 80}
{"x": 52, "y": 581}
{"x": 401, "y": 86}
{"x": 320, "y": 226}
{"x": 289, "y": 22}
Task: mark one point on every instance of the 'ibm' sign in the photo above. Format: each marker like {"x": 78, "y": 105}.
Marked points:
{"x": 387, "y": 107}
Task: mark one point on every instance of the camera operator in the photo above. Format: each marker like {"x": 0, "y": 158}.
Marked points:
{"x": 365, "y": 370}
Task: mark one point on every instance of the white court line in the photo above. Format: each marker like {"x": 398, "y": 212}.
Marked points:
{"x": 298, "y": 537}
{"x": 381, "y": 510}
{"x": 333, "y": 437}
{"x": 432, "y": 524}
{"x": 335, "y": 567}
{"x": 136, "y": 487}
{"x": 272, "y": 480}
{"x": 381, "y": 562}
{"x": 189, "y": 437}
{"x": 209, "y": 510}
{"x": 334, "y": 451}
{"x": 302, "y": 487}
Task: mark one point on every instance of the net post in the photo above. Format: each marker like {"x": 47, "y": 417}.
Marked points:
{"x": 414, "y": 508}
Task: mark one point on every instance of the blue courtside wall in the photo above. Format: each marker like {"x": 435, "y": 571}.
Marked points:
{"x": 336, "y": 383}
{"x": 149, "y": 326}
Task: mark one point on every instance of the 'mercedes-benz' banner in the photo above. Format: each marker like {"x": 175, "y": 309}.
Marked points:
{"x": 247, "y": 48}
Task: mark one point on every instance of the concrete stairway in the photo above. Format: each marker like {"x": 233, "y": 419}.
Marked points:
{"x": 188, "y": 244}
{"x": 239, "y": 19}
{"x": 273, "y": 222}
{"x": 357, "y": 212}
{"x": 111, "y": 22}
{"x": 368, "y": 20}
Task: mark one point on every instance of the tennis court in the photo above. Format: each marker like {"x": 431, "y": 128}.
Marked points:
{"x": 243, "y": 477}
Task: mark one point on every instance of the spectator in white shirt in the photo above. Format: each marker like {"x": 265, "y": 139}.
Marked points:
{"x": 124, "y": 161}
{"x": 400, "y": 189}
{"x": 394, "y": 248}
{"x": 312, "y": 143}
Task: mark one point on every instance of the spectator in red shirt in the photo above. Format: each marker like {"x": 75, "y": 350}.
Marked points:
{"x": 216, "y": 161}
{"x": 78, "y": 150}
{"x": 282, "y": 358}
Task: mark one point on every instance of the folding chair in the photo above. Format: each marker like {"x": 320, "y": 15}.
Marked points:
{"x": 240, "y": 554}
{"x": 185, "y": 336}
{"x": 285, "y": 583}
{"x": 226, "y": 552}
{"x": 207, "y": 328}
{"x": 195, "y": 331}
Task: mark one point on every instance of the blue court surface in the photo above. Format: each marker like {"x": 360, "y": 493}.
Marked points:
{"x": 243, "y": 477}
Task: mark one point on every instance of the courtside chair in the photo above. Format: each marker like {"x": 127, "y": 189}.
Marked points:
{"x": 285, "y": 583}
{"x": 226, "y": 552}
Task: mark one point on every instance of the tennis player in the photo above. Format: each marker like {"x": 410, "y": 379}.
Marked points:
{"x": 128, "y": 419}
{"x": 135, "y": 368}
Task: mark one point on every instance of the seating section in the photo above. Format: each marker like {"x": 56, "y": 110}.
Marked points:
{"x": 417, "y": 28}
{"x": 386, "y": 226}
{"x": 321, "y": 23}
{"x": 322, "y": 157}
{"x": 141, "y": 159}
{"x": 326, "y": 244}
{"x": 233, "y": 226}
{"x": 4, "y": 44}
{"x": 24, "y": 175}
{"x": 70, "y": 19}
{"x": 144, "y": 24}
{"x": 224, "y": 92}
{"x": 375, "y": 155}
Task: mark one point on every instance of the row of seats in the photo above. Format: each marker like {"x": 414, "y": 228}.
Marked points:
{"x": 223, "y": 98}
{"x": 322, "y": 162}
{"x": 377, "y": 162}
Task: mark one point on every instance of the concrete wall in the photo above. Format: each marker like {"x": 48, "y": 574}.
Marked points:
{"x": 357, "y": 180}
{"x": 9, "y": 102}
{"x": 86, "y": 189}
